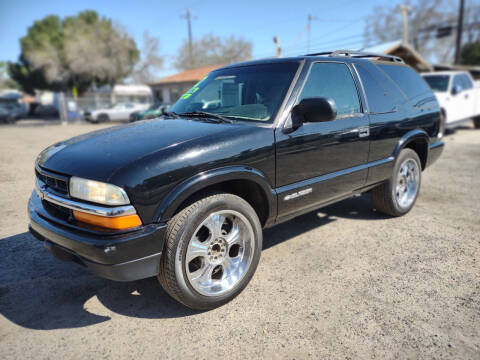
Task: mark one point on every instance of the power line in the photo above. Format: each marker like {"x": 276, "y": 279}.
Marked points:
{"x": 316, "y": 43}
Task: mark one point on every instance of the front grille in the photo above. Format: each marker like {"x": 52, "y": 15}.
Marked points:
{"x": 57, "y": 211}
{"x": 57, "y": 183}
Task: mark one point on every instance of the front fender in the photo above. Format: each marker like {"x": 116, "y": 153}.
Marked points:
{"x": 187, "y": 188}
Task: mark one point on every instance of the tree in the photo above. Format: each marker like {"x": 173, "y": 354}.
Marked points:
{"x": 75, "y": 52}
{"x": 471, "y": 54}
{"x": 150, "y": 62}
{"x": 213, "y": 50}
{"x": 425, "y": 16}
{"x": 5, "y": 81}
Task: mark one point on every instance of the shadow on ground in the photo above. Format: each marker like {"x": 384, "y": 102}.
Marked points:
{"x": 40, "y": 292}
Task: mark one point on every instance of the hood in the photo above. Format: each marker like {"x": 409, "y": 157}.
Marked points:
{"x": 99, "y": 154}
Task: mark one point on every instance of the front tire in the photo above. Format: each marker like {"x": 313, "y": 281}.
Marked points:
{"x": 212, "y": 249}
{"x": 397, "y": 196}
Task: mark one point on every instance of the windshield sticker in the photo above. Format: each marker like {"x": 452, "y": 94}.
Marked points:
{"x": 194, "y": 88}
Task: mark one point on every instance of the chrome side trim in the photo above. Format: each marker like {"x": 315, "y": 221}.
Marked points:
{"x": 86, "y": 208}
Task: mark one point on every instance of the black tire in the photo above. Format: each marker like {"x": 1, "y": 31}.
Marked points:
{"x": 476, "y": 122}
{"x": 181, "y": 228}
{"x": 102, "y": 118}
{"x": 384, "y": 195}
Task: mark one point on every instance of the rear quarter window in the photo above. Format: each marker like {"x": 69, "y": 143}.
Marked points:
{"x": 410, "y": 83}
{"x": 379, "y": 98}
{"x": 467, "y": 83}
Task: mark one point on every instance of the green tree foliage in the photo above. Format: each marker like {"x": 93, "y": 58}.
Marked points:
{"x": 77, "y": 51}
{"x": 213, "y": 50}
{"x": 471, "y": 54}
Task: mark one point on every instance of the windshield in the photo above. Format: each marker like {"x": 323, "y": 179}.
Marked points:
{"x": 437, "y": 82}
{"x": 252, "y": 92}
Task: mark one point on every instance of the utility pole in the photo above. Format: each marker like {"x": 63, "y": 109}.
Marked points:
{"x": 404, "y": 9}
{"x": 309, "y": 26}
{"x": 278, "y": 51}
{"x": 188, "y": 17}
{"x": 458, "y": 42}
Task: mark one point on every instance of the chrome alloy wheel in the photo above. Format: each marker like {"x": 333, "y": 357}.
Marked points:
{"x": 408, "y": 179}
{"x": 219, "y": 253}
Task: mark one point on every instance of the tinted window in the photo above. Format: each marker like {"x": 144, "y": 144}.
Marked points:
{"x": 408, "y": 80}
{"x": 252, "y": 92}
{"x": 458, "y": 83}
{"x": 379, "y": 101}
{"x": 467, "y": 83}
{"x": 334, "y": 81}
{"x": 437, "y": 82}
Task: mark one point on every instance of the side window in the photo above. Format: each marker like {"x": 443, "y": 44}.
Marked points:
{"x": 334, "y": 81}
{"x": 409, "y": 81}
{"x": 378, "y": 98}
{"x": 458, "y": 83}
{"x": 467, "y": 83}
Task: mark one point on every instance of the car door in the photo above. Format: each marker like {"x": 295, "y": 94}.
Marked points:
{"x": 114, "y": 113}
{"x": 319, "y": 162}
{"x": 458, "y": 101}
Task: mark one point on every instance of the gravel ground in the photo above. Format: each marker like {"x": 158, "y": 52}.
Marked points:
{"x": 343, "y": 283}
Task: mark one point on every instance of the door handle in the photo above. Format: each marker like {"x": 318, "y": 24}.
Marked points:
{"x": 363, "y": 131}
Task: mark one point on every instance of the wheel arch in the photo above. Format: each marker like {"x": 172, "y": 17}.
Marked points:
{"x": 418, "y": 141}
{"x": 103, "y": 114}
{"x": 246, "y": 182}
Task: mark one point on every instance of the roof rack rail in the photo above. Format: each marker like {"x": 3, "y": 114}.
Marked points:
{"x": 358, "y": 54}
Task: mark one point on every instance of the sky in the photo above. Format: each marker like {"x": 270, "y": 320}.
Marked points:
{"x": 338, "y": 23}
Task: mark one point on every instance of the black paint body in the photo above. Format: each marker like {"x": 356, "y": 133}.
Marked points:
{"x": 162, "y": 162}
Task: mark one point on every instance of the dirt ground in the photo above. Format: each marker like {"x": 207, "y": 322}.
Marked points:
{"x": 343, "y": 282}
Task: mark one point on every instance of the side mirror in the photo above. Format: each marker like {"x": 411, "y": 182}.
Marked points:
{"x": 315, "y": 109}
{"x": 456, "y": 89}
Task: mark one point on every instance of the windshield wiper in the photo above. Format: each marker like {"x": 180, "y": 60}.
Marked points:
{"x": 172, "y": 115}
{"x": 203, "y": 114}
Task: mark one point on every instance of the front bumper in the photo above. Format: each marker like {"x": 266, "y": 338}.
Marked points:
{"x": 121, "y": 256}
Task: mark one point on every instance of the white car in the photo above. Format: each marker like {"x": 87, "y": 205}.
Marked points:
{"x": 458, "y": 96}
{"x": 118, "y": 112}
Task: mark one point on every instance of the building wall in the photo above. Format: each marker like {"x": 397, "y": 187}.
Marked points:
{"x": 170, "y": 93}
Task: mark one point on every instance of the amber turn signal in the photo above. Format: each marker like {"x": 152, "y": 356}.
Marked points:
{"x": 117, "y": 223}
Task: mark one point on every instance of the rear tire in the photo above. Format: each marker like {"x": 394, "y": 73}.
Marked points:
{"x": 102, "y": 118}
{"x": 397, "y": 196}
{"x": 212, "y": 249}
{"x": 476, "y": 122}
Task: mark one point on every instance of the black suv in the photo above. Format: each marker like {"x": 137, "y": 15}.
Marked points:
{"x": 185, "y": 196}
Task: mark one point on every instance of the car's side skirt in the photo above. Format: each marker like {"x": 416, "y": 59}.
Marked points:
{"x": 303, "y": 196}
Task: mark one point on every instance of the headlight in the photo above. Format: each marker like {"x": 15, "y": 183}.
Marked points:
{"x": 98, "y": 192}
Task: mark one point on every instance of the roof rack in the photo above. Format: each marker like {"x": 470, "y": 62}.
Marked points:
{"x": 358, "y": 54}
